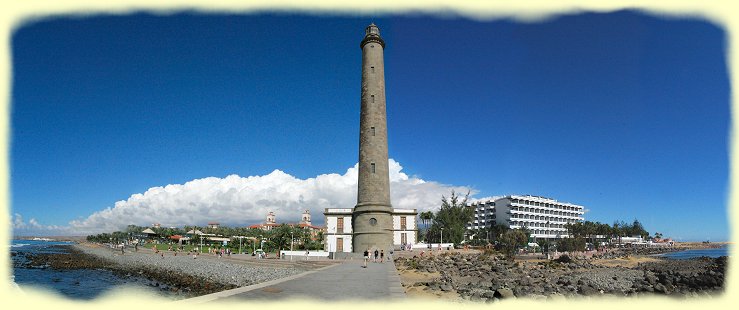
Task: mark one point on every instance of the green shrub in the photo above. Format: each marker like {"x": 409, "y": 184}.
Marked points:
{"x": 571, "y": 244}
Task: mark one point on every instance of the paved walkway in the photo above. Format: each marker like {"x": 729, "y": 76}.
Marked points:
{"x": 344, "y": 281}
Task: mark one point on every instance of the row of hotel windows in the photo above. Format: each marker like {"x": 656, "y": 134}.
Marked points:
{"x": 544, "y": 204}
{"x": 560, "y": 213}
{"x": 534, "y": 224}
{"x": 489, "y": 215}
{"x": 532, "y": 210}
{"x": 340, "y": 223}
{"x": 544, "y": 232}
{"x": 535, "y": 204}
{"x": 543, "y": 218}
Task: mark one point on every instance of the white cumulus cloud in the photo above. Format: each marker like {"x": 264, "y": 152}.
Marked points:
{"x": 236, "y": 200}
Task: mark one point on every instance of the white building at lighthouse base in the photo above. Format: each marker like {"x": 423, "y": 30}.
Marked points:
{"x": 338, "y": 236}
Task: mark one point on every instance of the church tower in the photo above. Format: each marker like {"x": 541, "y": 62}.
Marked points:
{"x": 372, "y": 216}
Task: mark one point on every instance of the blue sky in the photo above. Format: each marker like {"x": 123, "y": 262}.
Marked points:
{"x": 624, "y": 113}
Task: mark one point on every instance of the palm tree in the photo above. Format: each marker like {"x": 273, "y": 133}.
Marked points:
{"x": 589, "y": 230}
{"x": 602, "y": 229}
{"x": 426, "y": 218}
{"x": 497, "y": 230}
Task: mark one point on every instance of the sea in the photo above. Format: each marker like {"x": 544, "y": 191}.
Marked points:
{"x": 80, "y": 284}
{"x": 688, "y": 254}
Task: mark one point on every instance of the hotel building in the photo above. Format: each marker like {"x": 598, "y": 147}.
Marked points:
{"x": 544, "y": 217}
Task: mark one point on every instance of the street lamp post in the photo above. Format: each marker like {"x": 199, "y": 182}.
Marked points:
{"x": 291, "y": 241}
{"x": 441, "y": 239}
{"x": 200, "y": 237}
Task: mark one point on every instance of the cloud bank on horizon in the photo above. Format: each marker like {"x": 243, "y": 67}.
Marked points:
{"x": 236, "y": 200}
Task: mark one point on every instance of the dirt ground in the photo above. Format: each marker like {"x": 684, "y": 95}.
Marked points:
{"x": 629, "y": 262}
{"x": 411, "y": 277}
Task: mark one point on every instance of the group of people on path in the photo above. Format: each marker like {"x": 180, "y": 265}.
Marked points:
{"x": 220, "y": 252}
{"x": 375, "y": 259}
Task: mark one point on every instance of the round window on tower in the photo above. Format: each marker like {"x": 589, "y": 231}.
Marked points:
{"x": 373, "y": 221}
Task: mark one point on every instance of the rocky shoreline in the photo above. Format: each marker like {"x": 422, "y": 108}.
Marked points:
{"x": 180, "y": 275}
{"x": 491, "y": 277}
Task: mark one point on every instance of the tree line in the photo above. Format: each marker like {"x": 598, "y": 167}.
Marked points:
{"x": 277, "y": 238}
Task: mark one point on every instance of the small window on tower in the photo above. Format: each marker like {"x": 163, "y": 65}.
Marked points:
{"x": 372, "y": 129}
{"x": 373, "y": 69}
{"x": 373, "y": 167}
{"x": 373, "y": 98}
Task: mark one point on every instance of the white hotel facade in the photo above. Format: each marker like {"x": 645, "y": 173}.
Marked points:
{"x": 339, "y": 228}
{"x": 544, "y": 217}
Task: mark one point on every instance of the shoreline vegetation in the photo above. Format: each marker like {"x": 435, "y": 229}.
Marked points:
{"x": 487, "y": 276}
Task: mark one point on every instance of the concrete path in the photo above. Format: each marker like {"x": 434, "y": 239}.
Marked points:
{"x": 340, "y": 282}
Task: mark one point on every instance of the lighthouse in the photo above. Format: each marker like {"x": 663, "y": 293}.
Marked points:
{"x": 372, "y": 216}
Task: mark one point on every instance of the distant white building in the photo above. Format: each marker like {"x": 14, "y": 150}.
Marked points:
{"x": 269, "y": 223}
{"x": 305, "y": 223}
{"x": 339, "y": 228}
{"x": 632, "y": 239}
{"x": 544, "y": 217}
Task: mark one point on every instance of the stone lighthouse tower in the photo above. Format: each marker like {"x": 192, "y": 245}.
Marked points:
{"x": 372, "y": 216}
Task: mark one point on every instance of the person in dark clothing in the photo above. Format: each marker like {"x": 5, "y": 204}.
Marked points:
{"x": 366, "y": 257}
{"x": 376, "y": 253}
{"x": 382, "y": 256}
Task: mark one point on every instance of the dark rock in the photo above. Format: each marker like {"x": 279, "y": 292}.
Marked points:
{"x": 503, "y": 293}
{"x": 588, "y": 290}
{"x": 660, "y": 288}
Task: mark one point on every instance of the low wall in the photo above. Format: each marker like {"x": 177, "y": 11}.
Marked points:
{"x": 434, "y": 246}
{"x": 302, "y": 254}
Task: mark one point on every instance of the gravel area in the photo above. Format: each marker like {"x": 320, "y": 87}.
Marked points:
{"x": 209, "y": 268}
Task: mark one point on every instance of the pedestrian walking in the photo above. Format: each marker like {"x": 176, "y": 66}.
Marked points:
{"x": 366, "y": 258}
{"x": 382, "y": 256}
{"x": 376, "y": 253}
